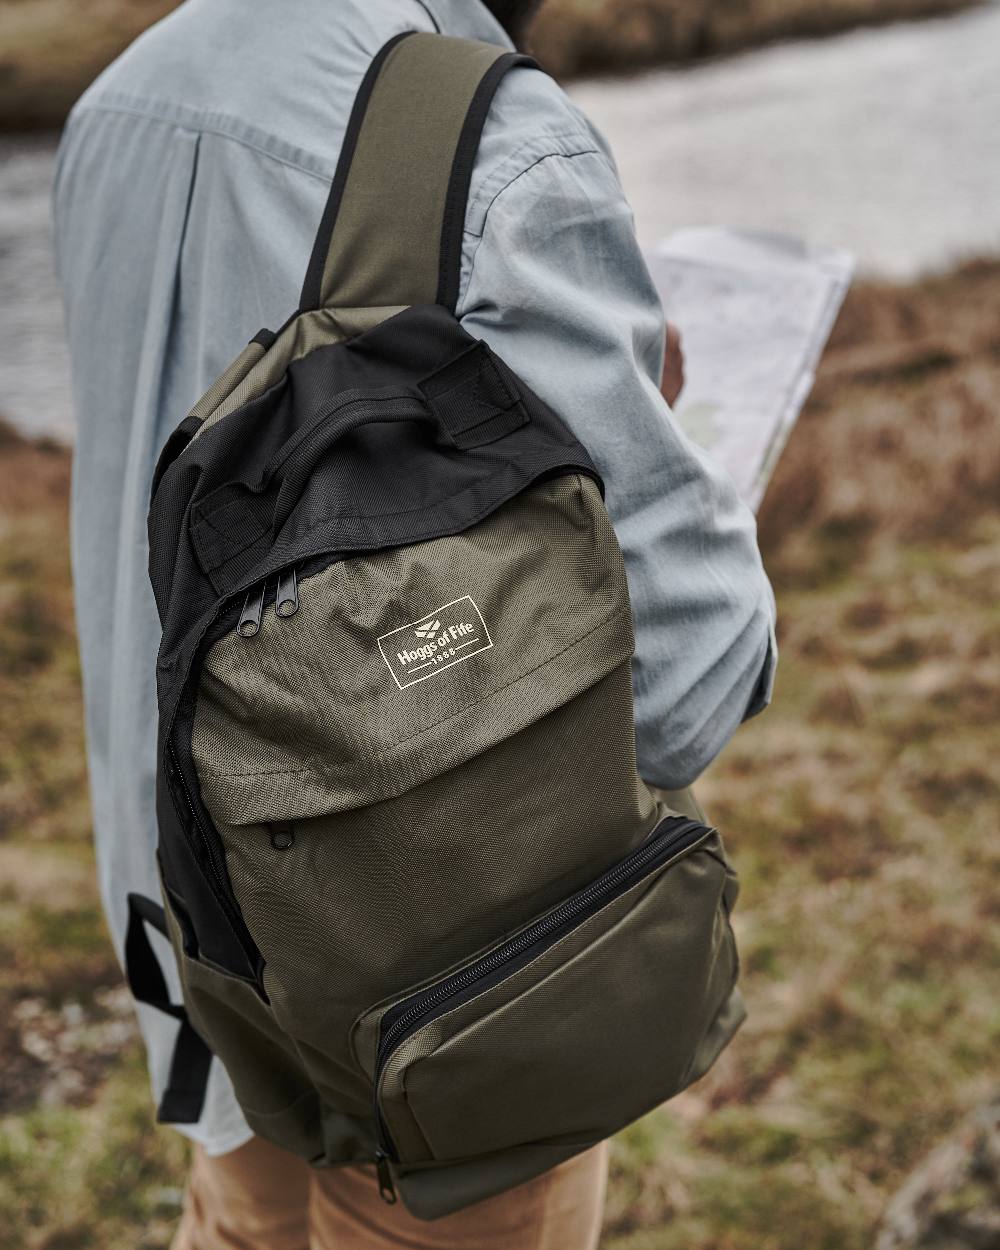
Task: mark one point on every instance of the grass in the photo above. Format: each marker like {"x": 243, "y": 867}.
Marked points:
{"x": 50, "y": 50}
{"x": 861, "y": 811}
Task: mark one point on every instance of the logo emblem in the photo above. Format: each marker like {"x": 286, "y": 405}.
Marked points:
{"x": 452, "y": 633}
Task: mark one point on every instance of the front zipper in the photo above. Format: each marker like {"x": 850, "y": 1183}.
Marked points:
{"x": 253, "y": 609}
{"x": 286, "y": 596}
{"x": 386, "y": 1188}
{"x": 670, "y": 837}
{"x": 286, "y": 602}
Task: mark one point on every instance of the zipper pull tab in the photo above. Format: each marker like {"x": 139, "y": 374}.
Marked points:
{"x": 386, "y": 1189}
{"x": 286, "y": 602}
{"x": 253, "y": 609}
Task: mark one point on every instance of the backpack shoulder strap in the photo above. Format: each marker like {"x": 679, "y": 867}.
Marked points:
{"x": 391, "y": 233}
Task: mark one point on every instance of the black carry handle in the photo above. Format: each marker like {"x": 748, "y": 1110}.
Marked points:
{"x": 294, "y": 464}
{"x": 184, "y": 1096}
{"x": 471, "y": 400}
{"x": 467, "y": 401}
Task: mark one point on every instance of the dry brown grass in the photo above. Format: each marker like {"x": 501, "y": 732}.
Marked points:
{"x": 906, "y": 407}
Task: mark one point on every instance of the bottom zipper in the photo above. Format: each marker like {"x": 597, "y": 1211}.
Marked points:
{"x": 671, "y": 836}
{"x": 386, "y": 1188}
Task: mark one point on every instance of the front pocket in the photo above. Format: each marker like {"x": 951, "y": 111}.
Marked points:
{"x": 570, "y": 1028}
{"x": 342, "y": 702}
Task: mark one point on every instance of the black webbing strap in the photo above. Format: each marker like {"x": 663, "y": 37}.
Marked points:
{"x": 471, "y": 400}
{"x": 391, "y": 233}
{"x": 184, "y": 1095}
{"x": 453, "y": 223}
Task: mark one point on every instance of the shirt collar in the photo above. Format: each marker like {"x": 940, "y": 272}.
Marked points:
{"x": 467, "y": 19}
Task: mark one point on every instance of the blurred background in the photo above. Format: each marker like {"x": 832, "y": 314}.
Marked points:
{"x": 860, "y": 1106}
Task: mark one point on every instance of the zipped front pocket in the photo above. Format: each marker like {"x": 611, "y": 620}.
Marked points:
{"x": 569, "y": 1028}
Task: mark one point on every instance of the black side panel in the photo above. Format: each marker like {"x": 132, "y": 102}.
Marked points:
{"x": 221, "y": 940}
{"x": 172, "y": 448}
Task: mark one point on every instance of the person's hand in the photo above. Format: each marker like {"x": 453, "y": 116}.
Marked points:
{"x": 673, "y": 366}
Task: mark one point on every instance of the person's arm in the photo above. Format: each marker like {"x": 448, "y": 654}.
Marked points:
{"x": 559, "y": 290}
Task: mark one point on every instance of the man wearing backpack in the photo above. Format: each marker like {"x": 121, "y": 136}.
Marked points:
{"x": 191, "y": 180}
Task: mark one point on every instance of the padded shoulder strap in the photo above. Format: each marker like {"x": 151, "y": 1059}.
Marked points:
{"x": 391, "y": 234}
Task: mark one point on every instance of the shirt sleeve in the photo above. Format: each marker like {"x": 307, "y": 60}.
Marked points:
{"x": 559, "y": 289}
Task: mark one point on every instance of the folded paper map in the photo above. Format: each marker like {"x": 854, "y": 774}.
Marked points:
{"x": 754, "y": 311}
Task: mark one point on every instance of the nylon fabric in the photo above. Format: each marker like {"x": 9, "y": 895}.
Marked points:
{"x": 428, "y": 878}
{"x": 228, "y": 381}
{"x": 586, "y": 1016}
{"x": 398, "y": 182}
{"x": 340, "y": 733}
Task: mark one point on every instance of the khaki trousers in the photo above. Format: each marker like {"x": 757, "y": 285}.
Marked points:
{"x": 262, "y": 1198}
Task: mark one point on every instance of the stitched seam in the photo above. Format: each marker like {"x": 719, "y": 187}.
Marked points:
{"x": 605, "y": 621}
{"x": 545, "y": 156}
{"x": 573, "y": 142}
{"x": 378, "y": 516}
{"x": 460, "y": 309}
{"x": 206, "y": 127}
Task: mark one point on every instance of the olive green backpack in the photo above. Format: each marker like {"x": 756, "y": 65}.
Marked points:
{"x": 424, "y": 910}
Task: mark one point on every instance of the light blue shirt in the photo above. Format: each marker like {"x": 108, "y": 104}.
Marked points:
{"x": 192, "y": 176}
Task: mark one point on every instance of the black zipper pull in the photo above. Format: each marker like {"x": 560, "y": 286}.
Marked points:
{"x": 386, "y": 1189}
{"x": 253, "y": 609}
{"x": 286, "y": 601}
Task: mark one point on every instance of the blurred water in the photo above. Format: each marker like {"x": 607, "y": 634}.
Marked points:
{"x": 883, "y": 141}
{"x": 34, "y": 368}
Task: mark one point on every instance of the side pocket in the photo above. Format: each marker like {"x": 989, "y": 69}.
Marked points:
{"x": 274, "y": 1092}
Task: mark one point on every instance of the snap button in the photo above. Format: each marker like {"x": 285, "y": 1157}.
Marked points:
{"x": 282, "y": 836}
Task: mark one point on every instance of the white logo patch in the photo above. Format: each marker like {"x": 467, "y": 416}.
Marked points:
{"x": 438, "y": 640}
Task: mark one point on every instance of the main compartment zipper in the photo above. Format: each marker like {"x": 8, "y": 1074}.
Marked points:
{"x": 212, "y": 858}
{"x": 286, "y": 602}
{"x": 198, "y": 826}
{"x": 671, "y": 836}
